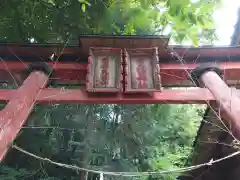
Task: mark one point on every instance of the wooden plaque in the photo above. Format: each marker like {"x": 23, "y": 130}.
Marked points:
{"x": 104, "y": 70}
{"x": 142, "y": 72}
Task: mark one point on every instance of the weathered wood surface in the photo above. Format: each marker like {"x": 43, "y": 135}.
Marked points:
{"x": 17, "y": 110}
{"x": 104, "y": 70}
{"x": 142, "y": 72}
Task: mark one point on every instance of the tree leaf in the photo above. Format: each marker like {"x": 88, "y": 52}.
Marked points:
{"x": 83, "y": 6}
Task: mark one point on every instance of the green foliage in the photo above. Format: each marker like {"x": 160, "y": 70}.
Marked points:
{"x": 8, "y": 173}
{"x": 108, "y": 137}
{"x": 51, "y": 21}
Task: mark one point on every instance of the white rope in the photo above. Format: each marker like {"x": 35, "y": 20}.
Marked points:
{"x": 126, "y": 174}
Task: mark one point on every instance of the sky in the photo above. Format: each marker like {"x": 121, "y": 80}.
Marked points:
{"x": 225, "y": 19}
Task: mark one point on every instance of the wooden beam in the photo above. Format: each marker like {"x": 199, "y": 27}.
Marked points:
{"x": 172, "y": 74}
{"x": 55, "y": 96}
{"x": 178, "y": 74}
{"x": 15, "y": 113}
{"x": 79, "y": 96}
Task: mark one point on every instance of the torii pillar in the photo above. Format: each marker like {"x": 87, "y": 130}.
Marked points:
{"x": 17, "y": 110}
{"x": 210, "y": 76}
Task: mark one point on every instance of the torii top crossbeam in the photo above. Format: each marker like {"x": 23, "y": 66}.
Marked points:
{"x": 70, "y": 66}
{"x": 114, "y": 69}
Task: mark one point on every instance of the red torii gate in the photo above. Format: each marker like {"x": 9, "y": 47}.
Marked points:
{"x": 33, "y": 90}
